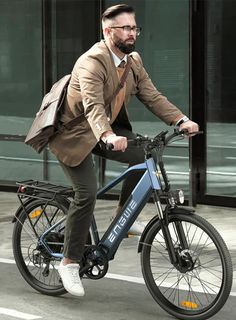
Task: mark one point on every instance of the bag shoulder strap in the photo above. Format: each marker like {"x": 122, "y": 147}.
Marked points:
{"x": 80, "y": 118}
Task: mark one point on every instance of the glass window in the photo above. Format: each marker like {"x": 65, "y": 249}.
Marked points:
{"x": 20, "y": 84}
{"x": 19, "y": 162}
{"x": 164, "y": 47}
{"x": 70, "y": 31}
{"x": 21, "y": 63}
{"x": 73, "y": 31}
{"x": 221, "y": 97}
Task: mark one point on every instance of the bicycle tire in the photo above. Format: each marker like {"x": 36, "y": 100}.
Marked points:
{"x": 197, "y": 294}
{"x": 30, "y": 260}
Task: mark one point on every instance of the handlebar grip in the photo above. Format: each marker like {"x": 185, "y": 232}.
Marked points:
{"x": 109, "y": 146}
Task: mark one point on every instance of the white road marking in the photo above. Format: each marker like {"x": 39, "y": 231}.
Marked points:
{"x": 18, "y": 314}
{"x": 9, "y": 261}
{"x": 220, "y": 147}
{"x": 175, "y": 157}
{"x": 221, "y": 173}
{"x": 114, "y": 276}
{"x": 124, "y": 278}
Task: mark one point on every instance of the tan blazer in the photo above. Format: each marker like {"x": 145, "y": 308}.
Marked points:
{"x": 93, "y": 81}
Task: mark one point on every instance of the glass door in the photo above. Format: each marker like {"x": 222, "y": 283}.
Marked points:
{"x": 221, "y": 97}
{"x": 214, "y": 86}
{"x": 164, "y": 47}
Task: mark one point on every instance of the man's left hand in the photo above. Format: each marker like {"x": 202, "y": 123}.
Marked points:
{"x": 190, "y": 126}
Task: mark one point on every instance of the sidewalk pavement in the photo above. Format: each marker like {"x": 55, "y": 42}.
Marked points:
{"x": 223, "y": 218}
{"x": 8, "y": 205}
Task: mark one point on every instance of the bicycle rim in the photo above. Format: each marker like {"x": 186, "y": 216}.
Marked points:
{"x": 195, "y": 294}
{"x": 37, "y": 268}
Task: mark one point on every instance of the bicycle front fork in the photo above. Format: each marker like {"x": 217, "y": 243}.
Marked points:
{"x": 182, "y": 241}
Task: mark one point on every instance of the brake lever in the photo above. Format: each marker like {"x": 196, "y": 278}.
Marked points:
{"x": 186, "y": 133}
{"x": 190, "y": 134}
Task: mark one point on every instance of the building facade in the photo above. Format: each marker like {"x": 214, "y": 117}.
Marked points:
{"x": 188, "y": 49}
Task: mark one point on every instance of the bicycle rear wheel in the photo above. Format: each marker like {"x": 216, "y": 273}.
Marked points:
{"x": 200, "y": 285}
{"x": 34, "y": 263}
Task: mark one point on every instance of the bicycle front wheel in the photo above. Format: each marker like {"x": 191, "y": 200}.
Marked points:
{"x": 199, "y": 285}
{"x": 37, "y": 267}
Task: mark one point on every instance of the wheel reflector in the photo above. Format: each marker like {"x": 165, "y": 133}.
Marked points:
{"x": 189, "y": 304}
{"x": 35, "y": 214}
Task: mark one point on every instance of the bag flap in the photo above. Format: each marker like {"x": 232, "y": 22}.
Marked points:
{"x": 48, "y": 111}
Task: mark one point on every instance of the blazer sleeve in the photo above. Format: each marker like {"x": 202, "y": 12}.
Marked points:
{"x": 148, "y": 94}
{"x": 91, "y": 77}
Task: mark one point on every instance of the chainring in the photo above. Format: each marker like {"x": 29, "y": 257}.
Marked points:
{"x": 95, "y": 262}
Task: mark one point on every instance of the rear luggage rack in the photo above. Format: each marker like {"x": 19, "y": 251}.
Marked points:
{"x": 42, "y": 190}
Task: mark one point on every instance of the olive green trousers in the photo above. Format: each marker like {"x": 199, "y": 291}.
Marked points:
{"x": 84, "y": 182}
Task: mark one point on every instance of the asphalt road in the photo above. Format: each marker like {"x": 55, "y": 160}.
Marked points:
{"x": 105, "y": 299}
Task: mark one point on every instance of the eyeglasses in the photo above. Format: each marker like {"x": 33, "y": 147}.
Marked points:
{"x": 128, "y": 29}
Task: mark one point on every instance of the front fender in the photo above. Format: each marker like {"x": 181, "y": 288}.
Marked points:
{"x": 62, "y": 200}
{"x": 155, "y": 219}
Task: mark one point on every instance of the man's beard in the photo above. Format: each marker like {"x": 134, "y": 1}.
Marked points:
{"x": 125, "y": 48}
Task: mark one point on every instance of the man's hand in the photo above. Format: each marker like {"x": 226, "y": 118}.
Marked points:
{"x": 119, "y": 142}
{"x": 190, "y": 126}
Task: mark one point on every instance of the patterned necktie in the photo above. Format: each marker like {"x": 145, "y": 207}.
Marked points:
{"x": 122, "y": 64}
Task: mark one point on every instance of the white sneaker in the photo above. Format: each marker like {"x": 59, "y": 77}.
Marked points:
{"x": 70, "y": 278}
{"x": 136, "y": 228}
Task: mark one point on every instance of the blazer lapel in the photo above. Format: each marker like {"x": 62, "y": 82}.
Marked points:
{"x": 111, "y": 69}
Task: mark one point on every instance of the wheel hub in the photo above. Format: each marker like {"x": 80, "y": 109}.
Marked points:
{"x": 186, "y": 260}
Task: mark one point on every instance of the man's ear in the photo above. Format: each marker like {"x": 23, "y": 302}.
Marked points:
{"x": 106, "y": 31}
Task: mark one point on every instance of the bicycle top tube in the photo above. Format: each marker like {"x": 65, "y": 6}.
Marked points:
{"x": 136, "y": 168}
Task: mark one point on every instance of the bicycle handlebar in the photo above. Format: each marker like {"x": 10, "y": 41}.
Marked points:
{"x": 161, "y": 140}
{"x": 159, "y": 143}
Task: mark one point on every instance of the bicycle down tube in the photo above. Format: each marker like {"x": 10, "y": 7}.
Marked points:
{"x": 133, "y": 206}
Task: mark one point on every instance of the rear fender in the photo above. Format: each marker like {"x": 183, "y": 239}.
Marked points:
{"x": 176, "y": 210}
{"x": 61, "y": 200}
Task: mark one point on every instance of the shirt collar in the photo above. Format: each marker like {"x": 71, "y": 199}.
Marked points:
{"x": 117, "y": 60}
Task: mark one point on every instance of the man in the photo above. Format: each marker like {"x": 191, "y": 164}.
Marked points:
{"x": 94, "y": 80}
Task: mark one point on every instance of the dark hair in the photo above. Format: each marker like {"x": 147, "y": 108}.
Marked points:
{"x": 114, "y": 11}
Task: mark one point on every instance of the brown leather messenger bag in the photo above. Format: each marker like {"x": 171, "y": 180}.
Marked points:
{"x": 45, "y": 124}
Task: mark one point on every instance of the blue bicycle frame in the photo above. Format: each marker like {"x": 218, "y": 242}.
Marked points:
{"x": 120, "y": 225}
